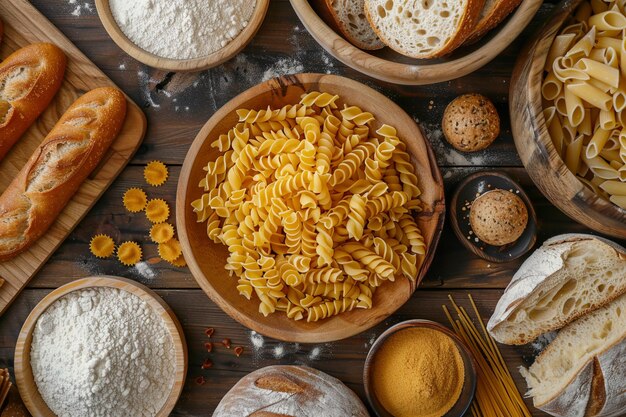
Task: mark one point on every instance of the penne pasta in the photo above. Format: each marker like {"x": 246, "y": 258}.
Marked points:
{"x": 600, "y": 167}
{"x": 608, "y": 20}
{"x": 599, "y": 71}
{"x": 618, "y": 200}
{"x": 572, "y": 154}
{"x": 558, "y": 48}
{"x": 588, "y": 93}
{"x": 583, "y": 46}
{"x": 597, "y": 142}
{"x": 606, "y": 120}
{"x": 551, "y": 87}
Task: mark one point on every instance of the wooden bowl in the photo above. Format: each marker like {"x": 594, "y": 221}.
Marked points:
{"x": 390, "y": 66}
{"x": 23, "y": 371}
{"x": 466, "y": 192}
{"x": 206, "y": 259}
{"x": 538, "y": 154}
{"x": 469, "y": 385}
{"x": 170, "y": 64}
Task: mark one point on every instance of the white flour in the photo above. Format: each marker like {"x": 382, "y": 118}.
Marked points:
{"x": 102, "y": 352}
{"x": 283, "y": 66}
{"x": 181, "y": 29}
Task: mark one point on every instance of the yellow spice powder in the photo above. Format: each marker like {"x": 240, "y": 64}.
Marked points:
{"x": 418, "y": 372}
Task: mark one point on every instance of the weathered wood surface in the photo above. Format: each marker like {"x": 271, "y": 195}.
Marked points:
{"x": 177, "y": 105}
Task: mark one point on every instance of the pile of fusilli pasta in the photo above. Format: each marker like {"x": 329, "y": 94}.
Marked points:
{"x": 584, "y": 94}
{"x": 315, "y": 207}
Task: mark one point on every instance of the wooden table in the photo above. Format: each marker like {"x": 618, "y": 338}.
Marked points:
{"x": 177, "y": 105}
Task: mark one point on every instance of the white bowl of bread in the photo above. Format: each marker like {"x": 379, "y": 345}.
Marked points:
{"x": 415, "y": 43}
{"x": 575, "y": 284}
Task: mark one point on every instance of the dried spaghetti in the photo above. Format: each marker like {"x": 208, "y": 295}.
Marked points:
{"x": 496, "y": 393}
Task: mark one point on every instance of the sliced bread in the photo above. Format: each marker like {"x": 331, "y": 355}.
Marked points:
{"x": 582, "y": 373}
{"x": 424, "y": 28}
{"x": 494, "y": 12}
{"x": 569, "y": 276}
{"x": 348, "y": 18}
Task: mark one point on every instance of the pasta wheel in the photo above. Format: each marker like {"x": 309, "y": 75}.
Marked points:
{"x": 315, "y": 206}
{"x": 155, "y": 173}
{"x": 102, "y": 246}
{"x": 135, "y": 200}
{"x": 129, "y": 253}
{"x": 157, "y": 210}
{"x": 161, "y": 232}
{"x": 170, "y": 250}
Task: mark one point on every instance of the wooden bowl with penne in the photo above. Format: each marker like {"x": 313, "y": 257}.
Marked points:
{"x": 315, "y": 218}
{"x": 568, "y": 112}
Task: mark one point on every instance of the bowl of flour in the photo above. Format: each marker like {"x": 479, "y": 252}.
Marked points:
{"x": 182, "y": 35}
{"x": 101, "y": 347}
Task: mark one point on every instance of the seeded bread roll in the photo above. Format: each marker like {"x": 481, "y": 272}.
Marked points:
{"x": 498, "y": 217}
{"x": 423, "y": 29}
{"x": 347, "y": 17}
{"x": 470, "y": 122}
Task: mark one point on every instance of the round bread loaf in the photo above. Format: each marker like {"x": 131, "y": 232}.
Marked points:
{"x": 498, "y": 217}
{"x": 470, "y": 122}
{"x": 290, "y": 391}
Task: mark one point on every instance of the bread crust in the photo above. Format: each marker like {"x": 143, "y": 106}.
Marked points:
{"x": 492, "y": 19}
{"x": 327, "y": 12}
{"x": 533, "y": 273}
{"x": 466, "y": 25}
{"x": 582, "y": 399}
{"x": 43, "y": 187}
{"x": 289, "y": 391}
{"x": 46, "y": 66}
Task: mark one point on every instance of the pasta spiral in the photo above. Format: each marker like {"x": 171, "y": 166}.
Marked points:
{"x": 314, "y": 205}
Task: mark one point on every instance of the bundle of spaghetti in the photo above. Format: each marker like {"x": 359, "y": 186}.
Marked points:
{"x": 496, "y": 393}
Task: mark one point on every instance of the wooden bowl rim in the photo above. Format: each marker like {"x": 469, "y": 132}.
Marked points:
{"x": 181, "y": 208}
{"x": 532, "y": 215}
{"x": 23, "y": 372}
{"x": 572, "y": 185}
{"x": 182, "y": 65}
{"x": 468, "y": 360}
{"x": 415, "y": 74}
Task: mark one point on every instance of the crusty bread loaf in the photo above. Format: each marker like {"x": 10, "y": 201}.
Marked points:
{"x": 290, "y": 391}
{"x": 582, "y": 373}
{"x": 29, "y": 79}
{"x": 569, "y": 276}
{"x": 54, "y": 172}
{"x": 423, "y": 29}
{"x": 347, "y": 17}
{"x": 494, "y": 12}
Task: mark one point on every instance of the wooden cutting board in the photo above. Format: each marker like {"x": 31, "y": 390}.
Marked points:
{"x": 23, "y": 25}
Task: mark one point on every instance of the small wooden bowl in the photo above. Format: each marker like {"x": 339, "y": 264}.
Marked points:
{"x": 388, "y": 65}
{"x": 469, "y": 385}
{"x": 467, "y": 191}
{"x": 534, "y": 145}
{"x": 206, "y": 259}
{"x": 23, "y": 371}
{"x": 182, "y": 65}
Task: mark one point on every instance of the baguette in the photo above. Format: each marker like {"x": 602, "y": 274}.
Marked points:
{"x": 423, "y": 29}
{"x": 582, "y": 373}
{"x": 567, "y": 277}
{"x": 494, "y": 12}
{"x": 347, "y": 17}
{"x": 29, "y": 79}
{"x": 54, "y": 172}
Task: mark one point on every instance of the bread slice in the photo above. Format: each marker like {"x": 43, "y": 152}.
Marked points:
{"x": 569, "y": 276}
{"x": 425, "y": 28}
{"x": 583, "y": 371}
{"x": 348, "y": 18}
{"x": 493, "y": 13}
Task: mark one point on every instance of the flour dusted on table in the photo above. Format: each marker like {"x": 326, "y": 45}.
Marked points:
{"x": 102, "y": 352}
{"x": 182, "y": 29}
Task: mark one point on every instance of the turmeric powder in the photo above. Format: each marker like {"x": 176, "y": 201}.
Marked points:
{"x": 418, "y": 372}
